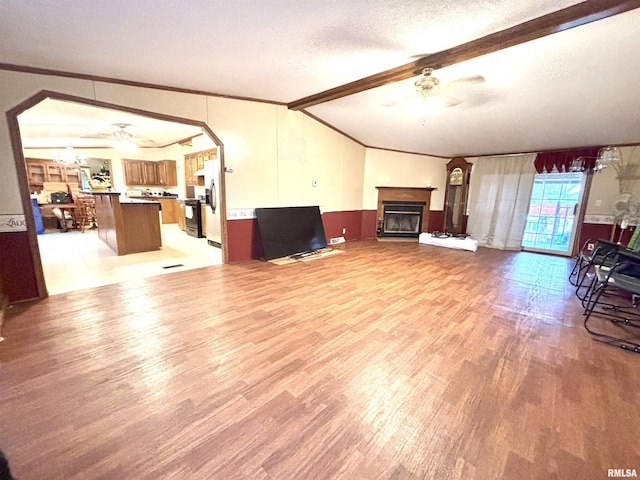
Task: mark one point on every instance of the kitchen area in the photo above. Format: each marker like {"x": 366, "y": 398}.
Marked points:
{"x": 185, "y": 189}
{"x": 112, "y": 212}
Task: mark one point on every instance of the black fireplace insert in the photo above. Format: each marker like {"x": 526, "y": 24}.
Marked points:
{"x": 401, "y": 219}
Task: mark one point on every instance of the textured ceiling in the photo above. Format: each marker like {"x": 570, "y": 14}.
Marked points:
{"x": 54, "y": 123}
{"x": 579, "y": 87}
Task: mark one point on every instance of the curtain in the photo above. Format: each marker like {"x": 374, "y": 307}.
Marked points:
{"x": 499, "y": 193}
{"x": 563, "y": 159}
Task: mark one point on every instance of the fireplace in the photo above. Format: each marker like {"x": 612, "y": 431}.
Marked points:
{"x": 401, "y": 219}
{"x": 403, "y": 212}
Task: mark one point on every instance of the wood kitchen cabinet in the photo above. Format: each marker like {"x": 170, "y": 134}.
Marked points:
{"x": 37, "y": 173}
{"x": 168, "y": 173}
{"x": 41, "y": 170}
{"x": 194, "y": 162}
{"x": 168, "y": 210}
{"x": 189, "y": 171}
{"x": 179, "y": 210}
{"x": 55, "y": 173}
{"x": 148, "y": 173}
{"x": 133, "y": 172}
{"x": 203, "y": 218}
{"x": 128, "y": 226}
{"x": 72, "y": 174}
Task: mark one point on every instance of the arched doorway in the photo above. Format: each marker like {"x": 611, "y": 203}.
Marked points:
{"x": 19, "y": 157}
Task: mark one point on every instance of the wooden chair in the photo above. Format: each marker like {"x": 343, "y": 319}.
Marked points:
{"x": 86, "y": 212}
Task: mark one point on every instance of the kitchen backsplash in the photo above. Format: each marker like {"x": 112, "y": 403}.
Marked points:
{"x": 156, "y": 192}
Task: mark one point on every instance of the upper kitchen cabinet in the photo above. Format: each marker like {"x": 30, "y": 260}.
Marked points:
{"x": 150, "y": 173}
{"x": 133, "y": 172}
{"x": 40, "y": 171}
{"x": 168, "y": 173}
{"x": 194, "y": 163}
{"x": 143, "y": 172}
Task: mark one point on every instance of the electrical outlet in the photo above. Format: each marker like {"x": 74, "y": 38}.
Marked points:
{"x": 344, "y": 231}
{"x": 336, "y": 240}
{"x": 590, "y": 246}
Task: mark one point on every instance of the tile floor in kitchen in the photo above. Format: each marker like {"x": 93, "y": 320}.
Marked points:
{"x": 75, "y": 260}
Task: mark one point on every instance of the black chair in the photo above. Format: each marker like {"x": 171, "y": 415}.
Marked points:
{"x": 587, "y": 257}
{"x": 613, "y": 297}
{"x": 586, "y": 261}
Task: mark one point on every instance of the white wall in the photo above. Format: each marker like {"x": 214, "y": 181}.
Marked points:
{"x": 393, "y": 169}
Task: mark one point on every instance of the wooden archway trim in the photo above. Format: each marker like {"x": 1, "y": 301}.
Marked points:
{"x": 16, "y": 144}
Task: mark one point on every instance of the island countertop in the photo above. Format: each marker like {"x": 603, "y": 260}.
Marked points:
{"x": 125, "y": 201}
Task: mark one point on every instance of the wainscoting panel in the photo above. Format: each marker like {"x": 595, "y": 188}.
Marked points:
{"x": 16, "y": 267}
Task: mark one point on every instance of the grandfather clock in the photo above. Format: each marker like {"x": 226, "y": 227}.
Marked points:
{"x": 455, "y": 196}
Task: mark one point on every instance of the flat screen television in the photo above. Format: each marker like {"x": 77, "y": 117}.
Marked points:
{"x": 289, "y": 231}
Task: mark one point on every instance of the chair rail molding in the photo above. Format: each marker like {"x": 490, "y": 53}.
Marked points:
{"x": 12, "y": 223}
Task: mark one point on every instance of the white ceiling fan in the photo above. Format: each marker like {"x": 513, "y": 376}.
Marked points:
{"x": 432, "y": 90}
{"x": 122, "y": 134}
{"x": 123, "y": 138}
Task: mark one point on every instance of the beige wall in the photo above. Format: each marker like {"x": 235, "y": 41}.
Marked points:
{"x": 275, "y": 153}
{"x": 15, "y": 88}
{"x": 605, "y": 185}
{"x": 393, "y": 169}
{"x": 384, "y": 168}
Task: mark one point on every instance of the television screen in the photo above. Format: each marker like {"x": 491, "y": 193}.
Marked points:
{"x": 290, "y": 230}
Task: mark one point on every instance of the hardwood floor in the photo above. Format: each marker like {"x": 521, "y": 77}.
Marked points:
{"x": 390, "y": 361}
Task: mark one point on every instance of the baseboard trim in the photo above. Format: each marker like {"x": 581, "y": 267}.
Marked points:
{"x": 398, "y": 239}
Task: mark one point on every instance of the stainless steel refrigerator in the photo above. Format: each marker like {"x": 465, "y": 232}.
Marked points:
{"x": 212, "y": 184}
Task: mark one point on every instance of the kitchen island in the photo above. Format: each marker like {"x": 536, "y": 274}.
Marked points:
{"x": 168, "y": 206}
{"x": 128, "y": 225}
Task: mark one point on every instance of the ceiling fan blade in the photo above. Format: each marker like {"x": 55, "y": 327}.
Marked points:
{"x": 97, "y": 135}
{"x": 400, "y": 100}
{"x": 450, "y": 101}
{"x": 468, "y": 79}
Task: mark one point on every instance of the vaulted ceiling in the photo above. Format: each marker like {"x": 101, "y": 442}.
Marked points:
{"x": 512, "y": 85}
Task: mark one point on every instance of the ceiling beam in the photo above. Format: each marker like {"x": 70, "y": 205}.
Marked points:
{"x": 559, "y": 21}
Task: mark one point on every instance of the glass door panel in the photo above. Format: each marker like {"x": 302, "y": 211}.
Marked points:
{"x": 554, "y": 203}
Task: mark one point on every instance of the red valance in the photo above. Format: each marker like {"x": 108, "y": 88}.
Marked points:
{"x": 562, "y": 159}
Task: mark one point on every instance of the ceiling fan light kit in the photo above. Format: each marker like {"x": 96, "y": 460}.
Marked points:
{"x": 427, "y": 85}
{"x": 607, "y": 156}
{"x": 123, "y": 140}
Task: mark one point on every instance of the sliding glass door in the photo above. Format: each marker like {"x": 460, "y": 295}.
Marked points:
{"x": 553, "y": 208}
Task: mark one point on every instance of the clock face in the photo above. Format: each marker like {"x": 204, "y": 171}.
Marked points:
{"x": 455, "y": 178}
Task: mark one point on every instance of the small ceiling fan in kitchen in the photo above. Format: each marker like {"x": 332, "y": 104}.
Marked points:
{"x": 122, "y": 139}
{"x": 432, "y": 91}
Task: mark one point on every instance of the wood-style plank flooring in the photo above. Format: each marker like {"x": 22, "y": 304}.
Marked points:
{"x": 390, "y": 361}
